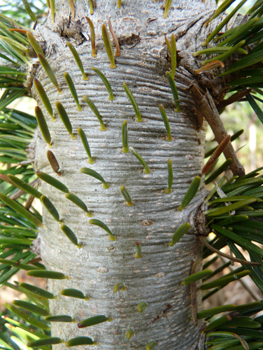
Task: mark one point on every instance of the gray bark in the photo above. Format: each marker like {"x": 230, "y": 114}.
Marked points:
{"x": 100, "y": 264}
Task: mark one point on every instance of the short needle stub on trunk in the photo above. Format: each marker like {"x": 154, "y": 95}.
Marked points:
{"x": 92, "y": 37}
{"x": 124, "y": 130}
{"x": 134, "y": 103}
{"x": 43, "y": 125}
{"x": 85, "y": 145}
{"x": 170, "y": 176}
{"x": 44, "y": 98}
{"x": 49, "y": 71}
{"x": 108, "y": 46}
{"x": 140, "y": 158}
{"x": 53, "y": 162}
{"x": 78, "y": 60}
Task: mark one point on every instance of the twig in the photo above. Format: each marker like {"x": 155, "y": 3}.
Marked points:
{"x": 217, "y": 152}
{"x": 19, "y": 193}
{"x": 236, "y": 97}
{"x": 244, "y": 262}
{"x": 35, "y": 260}
{"x": 206, "y": 105}
{"x": 29, "y": 202}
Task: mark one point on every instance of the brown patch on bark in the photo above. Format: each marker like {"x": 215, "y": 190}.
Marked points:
{"x": 130, "y": 40}
{"x": 71, "y": 29}
{"x": 146, "y": 223}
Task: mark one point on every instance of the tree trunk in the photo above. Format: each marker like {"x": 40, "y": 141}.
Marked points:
{"x": 100, "y": 264}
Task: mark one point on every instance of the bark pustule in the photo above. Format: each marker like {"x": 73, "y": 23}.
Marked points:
{"x": 100, "y": 264}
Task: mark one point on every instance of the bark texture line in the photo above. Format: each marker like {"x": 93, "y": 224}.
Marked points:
{"x": 100, "y": 264}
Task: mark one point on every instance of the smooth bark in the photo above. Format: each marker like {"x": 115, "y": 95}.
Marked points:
{"x": 100, "y": 264}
